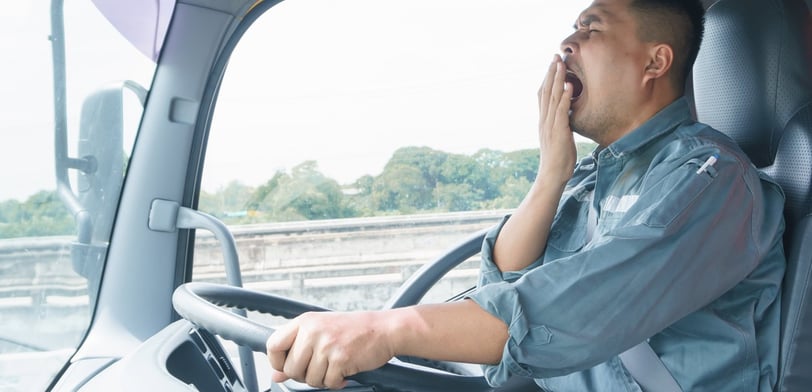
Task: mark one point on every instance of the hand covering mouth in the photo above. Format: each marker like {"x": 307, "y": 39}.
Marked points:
{"x": 577, "y": 86}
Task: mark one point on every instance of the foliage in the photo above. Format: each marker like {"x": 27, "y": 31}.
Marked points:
{"x": 42, "y": 214}
{"x": 415, "y": 180}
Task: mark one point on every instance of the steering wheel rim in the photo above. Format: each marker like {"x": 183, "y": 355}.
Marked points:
{"x": 414, "y": 289}
{"x": 201, "y": 304}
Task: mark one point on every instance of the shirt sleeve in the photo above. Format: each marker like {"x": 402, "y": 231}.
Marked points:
{"x": 689, "y": 238}
{"x": 488, "y": 272}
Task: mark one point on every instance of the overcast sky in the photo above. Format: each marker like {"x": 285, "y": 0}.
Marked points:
{"x": 351, "y": 81}
{"x": 342, "y": 79}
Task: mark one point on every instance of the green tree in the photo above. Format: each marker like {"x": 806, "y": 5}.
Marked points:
{"x": 402, "y": 188}
{"x": 256, "y": 200}
{"x": 457, "y": 197}
{"x": 491, "y": 169}
{"x": 522, "y": 164}
{"x": 42, "y": 214}
{"x": 230, "y": 199}
{"x": 10, "y": 211}
{"x": 511, "y": 193}
{"x": 407, "y": 182}
{"x": 304, "y": 194}
{"x": 463, "y": 183}
{"x": 358, "y": 196}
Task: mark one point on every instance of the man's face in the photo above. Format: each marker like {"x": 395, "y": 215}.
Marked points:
{"x": 606, "y": 61}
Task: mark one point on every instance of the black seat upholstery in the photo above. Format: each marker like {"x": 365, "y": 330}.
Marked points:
{"x": 752, "y": 81}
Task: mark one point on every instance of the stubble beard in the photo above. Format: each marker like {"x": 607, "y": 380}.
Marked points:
{"x": 593, "y": 124}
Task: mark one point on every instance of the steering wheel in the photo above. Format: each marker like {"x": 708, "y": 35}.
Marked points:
{"x": 200, "y": 303}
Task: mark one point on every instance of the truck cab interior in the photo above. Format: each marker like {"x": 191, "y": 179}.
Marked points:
{"x": 154, "y": 322}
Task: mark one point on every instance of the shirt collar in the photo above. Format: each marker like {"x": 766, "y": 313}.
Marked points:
{"x": 661, "y": 123}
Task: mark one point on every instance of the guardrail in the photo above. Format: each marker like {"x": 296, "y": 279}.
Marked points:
{"x": 343, "y": 264}
{"x": 289, "y": 257}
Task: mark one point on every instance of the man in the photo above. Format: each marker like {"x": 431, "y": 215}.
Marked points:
{"x": 665, "y": 234}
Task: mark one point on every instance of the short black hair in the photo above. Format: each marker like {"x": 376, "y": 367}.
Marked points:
{"x": 679, "y": 23}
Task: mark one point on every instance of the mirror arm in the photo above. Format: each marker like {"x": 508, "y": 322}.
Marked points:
{"x": 84, "y": 223}
{"x": 87, "y": 165}
{"x": 62, "y": 162}
{"x": 60, "y": 106}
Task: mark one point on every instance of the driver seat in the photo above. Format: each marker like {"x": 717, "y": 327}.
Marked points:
{"x": 752, "y": 81}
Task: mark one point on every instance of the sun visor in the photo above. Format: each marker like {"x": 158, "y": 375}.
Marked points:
{"x": 143, "y": 23}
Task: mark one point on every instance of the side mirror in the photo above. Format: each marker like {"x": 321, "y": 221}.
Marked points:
{"x": 101, "y": 130}
{"x": 100, "y": 165}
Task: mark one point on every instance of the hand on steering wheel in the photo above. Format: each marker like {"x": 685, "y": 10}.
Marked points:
{"x": 200, "y": 303}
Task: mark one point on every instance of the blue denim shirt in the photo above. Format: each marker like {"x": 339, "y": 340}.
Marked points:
{"x": 691, "y": 261}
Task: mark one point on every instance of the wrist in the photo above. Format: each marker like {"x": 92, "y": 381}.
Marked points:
{"x": 554, "y": 179}
{"x": 394, "y": 327}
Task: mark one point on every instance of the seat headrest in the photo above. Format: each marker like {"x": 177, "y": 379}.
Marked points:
{"x": 753, "y": 81}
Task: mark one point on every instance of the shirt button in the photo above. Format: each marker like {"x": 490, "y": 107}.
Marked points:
{"x": 555, "y": 234}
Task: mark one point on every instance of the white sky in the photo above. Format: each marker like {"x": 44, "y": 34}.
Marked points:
{"x": 26, "y": 77}
{"x": 348, "y": 82}
{"x": 344, "y": 82}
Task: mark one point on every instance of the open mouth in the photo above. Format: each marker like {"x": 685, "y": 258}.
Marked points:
{"x": 577, "y": 86}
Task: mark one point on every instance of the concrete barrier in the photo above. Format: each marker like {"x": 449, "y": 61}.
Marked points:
{"x": 345, "y": 264}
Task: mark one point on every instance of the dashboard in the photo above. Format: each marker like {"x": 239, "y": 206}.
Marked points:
{"x": 181, "y": 357}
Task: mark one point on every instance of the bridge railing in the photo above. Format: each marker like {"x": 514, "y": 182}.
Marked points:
{"x": 291, "y": 258}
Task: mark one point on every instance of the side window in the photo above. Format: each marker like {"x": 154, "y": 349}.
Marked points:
{"x": 346, "y": 151}
{"x": 69, "y": 112}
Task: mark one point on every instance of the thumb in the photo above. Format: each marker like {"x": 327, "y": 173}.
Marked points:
{"x": 277, "y": 376}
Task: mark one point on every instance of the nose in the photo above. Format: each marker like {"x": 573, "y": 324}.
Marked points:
{"x": 569, "y": 45}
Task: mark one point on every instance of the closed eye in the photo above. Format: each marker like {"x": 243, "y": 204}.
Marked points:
{"x": 586, "y": 22}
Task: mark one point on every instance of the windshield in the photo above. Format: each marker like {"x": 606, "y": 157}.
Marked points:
{"x": 68, "y": 122}
{"x": 355, "y": 141}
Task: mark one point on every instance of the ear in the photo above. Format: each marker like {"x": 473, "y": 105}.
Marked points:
{"x": 661, "y": 58}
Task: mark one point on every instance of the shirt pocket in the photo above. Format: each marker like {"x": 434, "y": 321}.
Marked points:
{"x": 609, "y": 220}
{"x": 568, "y": 232}
{"x": 677, "y": 192}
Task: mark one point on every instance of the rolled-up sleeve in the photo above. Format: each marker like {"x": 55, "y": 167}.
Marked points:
{"x": 687, "y": 240}
{"x": 488, "y": 271}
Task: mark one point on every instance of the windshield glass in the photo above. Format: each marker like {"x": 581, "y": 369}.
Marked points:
{"x": 355, "y": 141}
{"x": 68, "y": 122}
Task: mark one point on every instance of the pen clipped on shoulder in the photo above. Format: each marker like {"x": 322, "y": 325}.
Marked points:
{"x": 708, "y": 164}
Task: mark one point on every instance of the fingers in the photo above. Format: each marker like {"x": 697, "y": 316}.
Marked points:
{"x": 298, "y": 361}
{"x": 556, "y": 143}
{"x": 547, "y": 86}
{"x": 278, "y": 346}
{"x": 552, "y": 99}
{"x": 556, "y": 89}
{"x": 316, "y": 370}
{"x": 322, "y": 349}
{"x": 556, "y": 100}
{"x": 562, "y": 114}
{"x": 334, "y": 378}
{"x": 293, "y": 358}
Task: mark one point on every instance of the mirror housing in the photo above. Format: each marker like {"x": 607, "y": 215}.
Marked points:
{"x": 101, "y": 166}
{"x": 101, "y": 153}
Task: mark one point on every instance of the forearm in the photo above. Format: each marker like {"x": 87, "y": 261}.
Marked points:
{"x": 523, "y": 237}
{"x": 324, "y": 348}
{"x": 457, "y": 331}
